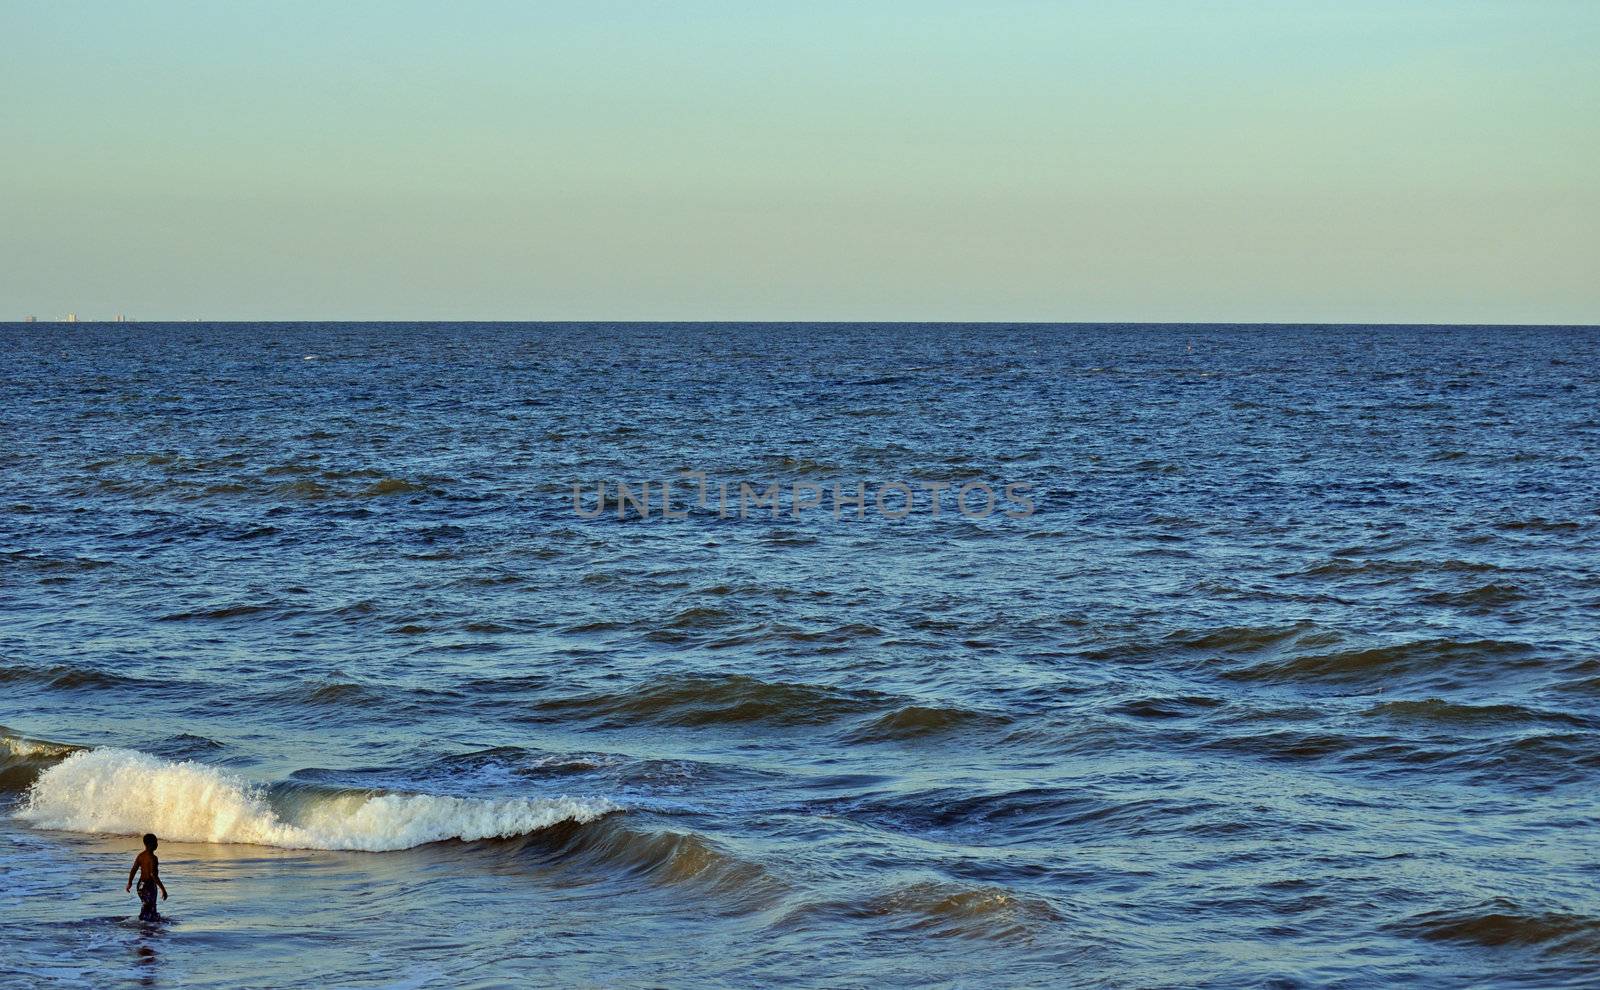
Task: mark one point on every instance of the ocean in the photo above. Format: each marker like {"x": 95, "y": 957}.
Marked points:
{"x": 1233, "y": 656}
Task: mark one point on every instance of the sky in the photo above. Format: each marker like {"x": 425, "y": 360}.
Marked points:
{"x": 1409, "y": 161}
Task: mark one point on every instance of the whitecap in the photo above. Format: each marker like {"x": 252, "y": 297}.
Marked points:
{"x": 125, "y": 792}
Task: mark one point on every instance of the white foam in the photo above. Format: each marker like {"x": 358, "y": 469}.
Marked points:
{"x": 125, "y": 792}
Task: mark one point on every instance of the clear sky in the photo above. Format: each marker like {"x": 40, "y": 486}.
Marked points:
{"x": 1304, "y": 160}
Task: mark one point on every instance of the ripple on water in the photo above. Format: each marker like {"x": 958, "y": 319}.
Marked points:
{"x": 716, "y": 700}
{"x": 1443, "y": 660}
{"x": 917, "y": 722}
{"x": 936, "y": 908}
{"x": 1502, "y": 922}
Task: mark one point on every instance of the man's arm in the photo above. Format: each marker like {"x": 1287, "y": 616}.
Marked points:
{"x": 131, "y": 871}
{"x": 155, "y": 874}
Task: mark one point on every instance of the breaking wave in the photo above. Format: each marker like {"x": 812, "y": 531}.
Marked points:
{"x": 125, "y": 792}
{"x": 23, "y": 759}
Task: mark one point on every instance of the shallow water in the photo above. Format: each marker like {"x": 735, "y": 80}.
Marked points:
{"x": 1290, "y": 679}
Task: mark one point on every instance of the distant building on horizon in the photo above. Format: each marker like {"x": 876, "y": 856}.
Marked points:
{"x": 30, "y": 318}
{"x": 71, "y": 318}
{"x": 121, "y": 318}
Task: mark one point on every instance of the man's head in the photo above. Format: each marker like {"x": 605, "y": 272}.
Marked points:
{"x": 150, "y": 841}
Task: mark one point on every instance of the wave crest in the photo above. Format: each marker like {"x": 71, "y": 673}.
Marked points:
{"x": 736, "y": 883}
{"x": 940, "y": 909}
{"x": 729, "y": 700}
{"x": 1447, "y": 658}
{"x": 125, "y": 792}
{"x": 922, "y": 721}
{"x": 23, "y": 759}
{"x": 1501, "y": 921}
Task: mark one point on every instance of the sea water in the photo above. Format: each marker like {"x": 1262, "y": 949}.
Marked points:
{"x": 1288, "y": 674}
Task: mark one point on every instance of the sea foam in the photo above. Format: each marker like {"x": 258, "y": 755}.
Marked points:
{"x": 125, "y": 792}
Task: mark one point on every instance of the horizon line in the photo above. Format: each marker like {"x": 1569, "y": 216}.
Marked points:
{"x": 779, "y": 322}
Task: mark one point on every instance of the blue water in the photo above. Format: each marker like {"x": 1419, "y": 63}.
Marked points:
{"x": 1290, "y": 678}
